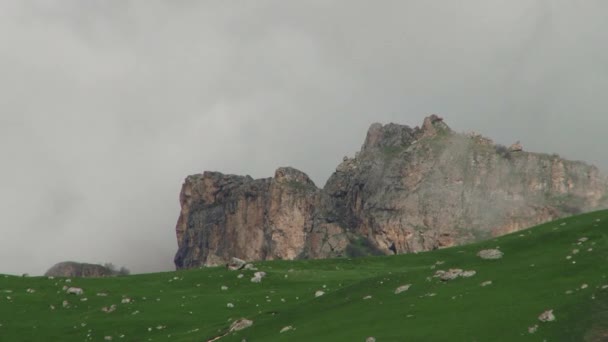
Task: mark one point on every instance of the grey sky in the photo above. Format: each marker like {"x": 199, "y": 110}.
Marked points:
{"x": 105, "y": 106}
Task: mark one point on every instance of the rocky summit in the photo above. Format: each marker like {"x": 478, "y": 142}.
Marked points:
{"x": 407, "y": 190}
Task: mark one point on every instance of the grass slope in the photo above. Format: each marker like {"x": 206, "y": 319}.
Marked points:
{"x": 534, "y": 275}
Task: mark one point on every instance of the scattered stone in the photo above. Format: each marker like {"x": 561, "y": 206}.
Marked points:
{"x": 468, "y": 274}
{"x": 102, "y": 294}
{"x": 533, "y": 329}
{"x": 584, "y": 286}
{"x": 236, "y": 264}
{"x": 547, "y": 316}
{"x": 126, "y": 300}
{"x": 569, "y": 257}
{"x": 319, "y": 293}
{"x": 257, "y": 277}
{"x": 30, "y": 291}
{"x": 402, "y": 288}
{"x": 490, "y": 254}
{"x": 110, "y": 309}
{"x": 224, "y": 287}
{"x": 604, "y": 287}
{"x": 250, "y": 267}
{"x": 575, "y": 251}
{"x": 486, "y": 283}
{"x": 583, "y": 239}
{"x": 230, "y": 305}
{"x": 367, "y": 297}
{"x": 240, "y": 276}
{"x": 84, "y": 299}
{"x": 107, "y": 338}
{"x": 75, "y": 291}
{"x": 453, "y": 273}
{"x": 370, "y": 339}
{"x": 65, "y": 304}
{"x": 286, "y": 329}
{"x": 240, "y": 324}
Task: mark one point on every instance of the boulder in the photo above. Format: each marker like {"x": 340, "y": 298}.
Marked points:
{"x": 490, "y": 254}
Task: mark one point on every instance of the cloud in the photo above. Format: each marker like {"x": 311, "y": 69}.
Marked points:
{"x": 107, "y": 106}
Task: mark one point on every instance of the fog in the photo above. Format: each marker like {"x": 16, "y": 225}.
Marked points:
{"x": 106, "y": 106}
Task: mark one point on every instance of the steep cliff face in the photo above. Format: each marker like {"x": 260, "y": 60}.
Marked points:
{"x": 407, "y": 190}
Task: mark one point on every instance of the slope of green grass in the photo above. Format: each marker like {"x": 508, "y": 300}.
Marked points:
{"x": 534, "y": 275}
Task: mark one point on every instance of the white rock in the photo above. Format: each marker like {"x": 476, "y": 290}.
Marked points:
{"x": 402, "y": 288}
{"x": 230, "y": 305}
{"x": 286, "y": 329}
{"x": 490, "y": 254}
{"x": 224, "y": 287}
{"x": 240, "y": 324}
{"x": 468, "y": 274}
{"x": 110, "y": 309}
{"x": 319, "y": 293}
{"x": 584, "y": 286}
{"x": 107, "y": 338}
{"x": 547, "y": 316}
{"x": 75, "y": 291}
{"x": 370, "y": 339}
{"x": 533, "y": 329}
{"x": 126, "y": 300}
{"x": 367, "y": 297}
{"x": 65, "y": 304}
{"x": 486, "y": 283}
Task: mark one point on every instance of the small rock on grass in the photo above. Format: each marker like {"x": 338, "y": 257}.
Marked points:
{"x": 240, "y": 324}
{"x": 547, "y": 316}
{"x": 402, "y": 288}
{"x": 286, "y": 329}
{"x": 490, "y": 254}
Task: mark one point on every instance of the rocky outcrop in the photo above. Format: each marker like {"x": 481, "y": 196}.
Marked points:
{"x": 407, "y": 190}
{"x": 72, "y": 269}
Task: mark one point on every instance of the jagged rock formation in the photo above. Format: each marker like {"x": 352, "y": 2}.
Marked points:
{"x": 407, "y": 190}
{"x": 75, "y": 269}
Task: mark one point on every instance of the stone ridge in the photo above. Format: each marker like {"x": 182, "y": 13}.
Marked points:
{"x": 407, "y": 190}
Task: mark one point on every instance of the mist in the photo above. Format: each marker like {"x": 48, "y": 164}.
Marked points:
{"x": 107, "y": 106}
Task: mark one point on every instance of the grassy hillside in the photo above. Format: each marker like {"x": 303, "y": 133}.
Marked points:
{"x": 539, "y": 271}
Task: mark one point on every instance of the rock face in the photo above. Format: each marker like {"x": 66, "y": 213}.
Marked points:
{"x": 74, "y": 269}
{"x": 407, "y": 190}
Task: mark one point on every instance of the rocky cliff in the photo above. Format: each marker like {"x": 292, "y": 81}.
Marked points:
{"x": 407, "y": 190}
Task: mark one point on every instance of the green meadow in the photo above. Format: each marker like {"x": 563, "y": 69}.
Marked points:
{"x": 560, "y": 266}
